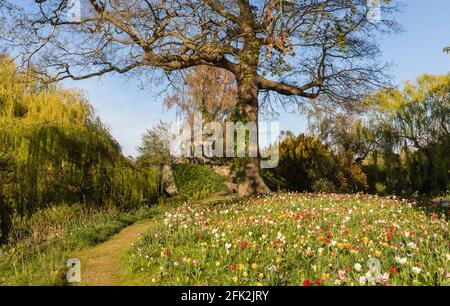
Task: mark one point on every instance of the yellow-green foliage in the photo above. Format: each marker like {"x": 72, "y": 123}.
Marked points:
{"x": 53, "y": 149}
{"x": 197, "y": 181}
{"x": 413, "y": 128}
{"x": 303, "y": 161}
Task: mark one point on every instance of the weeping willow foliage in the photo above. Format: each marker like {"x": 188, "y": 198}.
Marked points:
{"x": 53, "y": 149}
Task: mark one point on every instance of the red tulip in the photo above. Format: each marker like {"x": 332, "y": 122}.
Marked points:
{"x": 307, "y": 283}
{"x": 244, "y": 245}
{"x": 233, "y": 267}
{"x": 393, "y": 271}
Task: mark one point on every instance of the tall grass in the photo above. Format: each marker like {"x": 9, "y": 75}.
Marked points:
{"x": 44, "y": 242}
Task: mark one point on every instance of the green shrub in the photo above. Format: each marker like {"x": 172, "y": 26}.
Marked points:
{"x": 195, "y": 181}
{"x": 323, "y": 186}
{"x": 303, "y": 160}
{"x": 380, "y": 189}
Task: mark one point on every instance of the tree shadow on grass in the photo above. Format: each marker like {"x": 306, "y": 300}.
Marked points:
{"x": 432, "y": 206}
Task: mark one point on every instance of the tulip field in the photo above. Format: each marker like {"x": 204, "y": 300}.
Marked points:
{"x": 296, "y": 239}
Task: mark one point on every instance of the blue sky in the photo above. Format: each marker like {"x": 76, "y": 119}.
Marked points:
{"x": 129, "y": 110}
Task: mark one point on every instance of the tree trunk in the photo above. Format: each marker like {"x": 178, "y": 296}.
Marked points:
{"x": 248, "y": 107}
{"x": 167, "y": 181}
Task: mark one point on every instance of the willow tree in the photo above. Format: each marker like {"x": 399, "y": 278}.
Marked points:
{"x": 296, "y": 49}
{"x": 416, "y": 120}
{"x": 55, "y": 150}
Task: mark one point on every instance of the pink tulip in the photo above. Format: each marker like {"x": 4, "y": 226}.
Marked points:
{"x": 362, "y": 280}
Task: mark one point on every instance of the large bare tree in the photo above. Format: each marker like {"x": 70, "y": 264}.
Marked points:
{"x": 296, "y": 49}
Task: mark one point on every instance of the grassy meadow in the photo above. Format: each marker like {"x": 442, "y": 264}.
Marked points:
{"x": 52, "y": 236}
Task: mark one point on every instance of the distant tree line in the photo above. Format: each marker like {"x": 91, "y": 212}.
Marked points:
{"x": 398, "y": 143}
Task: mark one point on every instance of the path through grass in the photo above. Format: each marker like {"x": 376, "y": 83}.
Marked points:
{"x": 103, "y": 265}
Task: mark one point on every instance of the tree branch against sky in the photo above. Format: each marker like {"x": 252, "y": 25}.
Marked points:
{"x": 5, "y": 10}
{"x": 296, "y": 49}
